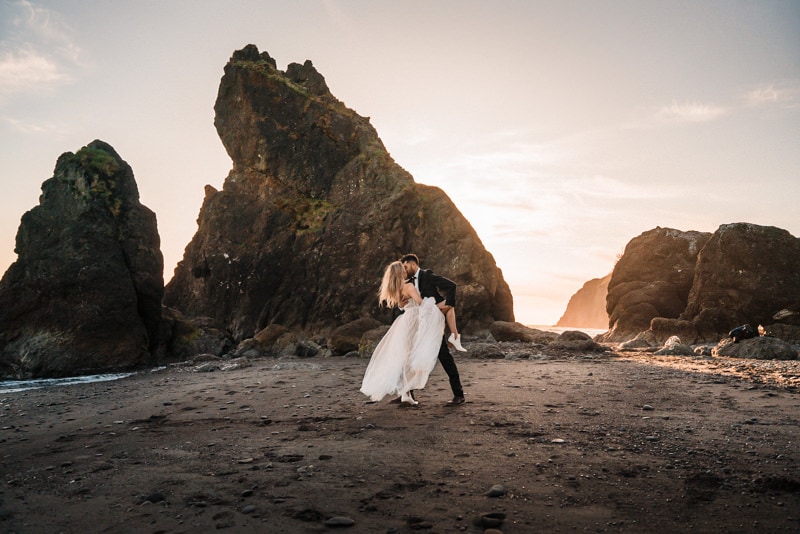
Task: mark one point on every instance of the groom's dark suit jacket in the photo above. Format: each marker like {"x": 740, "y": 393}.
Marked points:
{"x": 433, "y": 285}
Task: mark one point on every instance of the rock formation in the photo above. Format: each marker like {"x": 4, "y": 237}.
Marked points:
{"x": 513, "y": 331}
{"x": 311, "y": 213}
{"x": 759, "y": 348}
{"x": 699, "y": 286}
{"x": 651, "y": 279}
{"x": 745, "y": 274}
{"x": 84, "y": 295}
{"x": 587, "y": 307}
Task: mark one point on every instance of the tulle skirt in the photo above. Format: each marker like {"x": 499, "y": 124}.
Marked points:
{"x": 407, "y": 354}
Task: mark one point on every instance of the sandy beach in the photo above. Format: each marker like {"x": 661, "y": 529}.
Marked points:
{"x": 614, "y": 442}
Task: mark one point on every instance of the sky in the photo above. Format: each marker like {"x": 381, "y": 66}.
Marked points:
{"x": 560, "y": 129}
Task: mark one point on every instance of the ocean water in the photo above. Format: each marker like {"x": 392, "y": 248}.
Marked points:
{"x": 561, "y": 329}
{"x": 13, "y": 386}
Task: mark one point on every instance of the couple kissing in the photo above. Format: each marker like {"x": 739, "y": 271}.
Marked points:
{"x": 407, "y": 353}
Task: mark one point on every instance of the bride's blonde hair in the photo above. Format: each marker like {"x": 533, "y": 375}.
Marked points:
{"x": 392, "y": 285}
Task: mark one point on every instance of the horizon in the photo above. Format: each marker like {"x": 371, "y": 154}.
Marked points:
{"x": 560, "y": 130}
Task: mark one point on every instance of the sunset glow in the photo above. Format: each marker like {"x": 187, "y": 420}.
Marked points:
{"x": 559, "y": 129}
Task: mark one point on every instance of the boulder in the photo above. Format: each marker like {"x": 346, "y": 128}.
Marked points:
{"x": 274, "y": 341}
{"x": 674, "y": 347}
{"x": 676, "y": 350}
{"x": 84, "y": 295}
{"x": 347, "y": 337}
{"x": 370, "y": 339}
{"x": 270, "y": 334}
{"x": 759, "y": 348}
{"x": 307, "y": 348}
{"x": 311, "y": 213}
{"x": 574, "y": 340}
{"x": 643, "y": 339}
{"x": 184, "y": 338}
{"x": 573, "y": 335}
{"x": 511, "y": 331}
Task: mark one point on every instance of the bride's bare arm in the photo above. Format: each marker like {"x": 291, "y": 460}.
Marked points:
{"x": 409, "y": 291}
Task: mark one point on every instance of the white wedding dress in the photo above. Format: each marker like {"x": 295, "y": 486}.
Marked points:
{"x": 407, "y": 353}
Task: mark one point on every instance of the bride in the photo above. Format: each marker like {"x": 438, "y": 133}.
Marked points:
{"x": 408, "y": 352}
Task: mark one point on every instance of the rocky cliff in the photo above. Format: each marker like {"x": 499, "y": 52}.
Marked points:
{"x": 84, "y": 295}
{"x": 312, "y": 211}
{"x": 699, "y": 286}
{"x": 652, "y": 279}
{"x": 587, "y": 307}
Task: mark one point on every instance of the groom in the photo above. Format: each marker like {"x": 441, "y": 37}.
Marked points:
{"x": 429, "y": 284}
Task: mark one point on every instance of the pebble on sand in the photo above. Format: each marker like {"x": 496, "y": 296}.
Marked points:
{"x": 340, "y": 521}
{"x": 498, "y": 490}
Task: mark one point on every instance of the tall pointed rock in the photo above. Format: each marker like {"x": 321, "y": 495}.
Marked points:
{"x": 312, "y": 211}
{"x": 84, "y": 295}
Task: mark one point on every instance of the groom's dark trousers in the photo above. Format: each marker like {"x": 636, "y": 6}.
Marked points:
{"x": 429, "y": 286}
{"x": 449, "y": 366}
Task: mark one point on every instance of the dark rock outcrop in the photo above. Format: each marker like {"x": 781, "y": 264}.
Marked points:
{"x": 699, "y": 286}
{"x": 759, "y": 348}
{"x": 347, "y": 337}
{"x": 84, "y": 295}
{"x": 575, "y": 340}
{"x": 587, "y": 307}
{"x": 745, "y": 274}
{"x": 651, "y": 279}
{"x": 369, "y": 341}
{"x": 311, "y": 213}
{"x": 184, "y": 338}
{"x": 512, "y": 331}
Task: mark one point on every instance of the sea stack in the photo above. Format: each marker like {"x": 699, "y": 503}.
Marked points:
{"x": 312, "y": 211}
{"x": 84, "y": 295}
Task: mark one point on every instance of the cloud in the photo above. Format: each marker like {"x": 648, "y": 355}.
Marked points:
{"x": 787, "y": 95}
{"x": 690, "y": 112}
{"x": 599, "y": 187}
{"x": 30, "y": 127}
{"x": 39, "y": 52}
{"x": 24, "y": 70}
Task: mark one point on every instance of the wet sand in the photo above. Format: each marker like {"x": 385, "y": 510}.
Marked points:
{"x": 569, "y": 442}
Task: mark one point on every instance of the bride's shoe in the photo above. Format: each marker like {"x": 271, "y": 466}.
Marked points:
{"x": 455, "y": 340}
{"x": 406, "y": 398}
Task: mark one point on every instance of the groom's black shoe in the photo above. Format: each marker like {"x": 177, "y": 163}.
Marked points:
{"x": 458, "y": 399}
